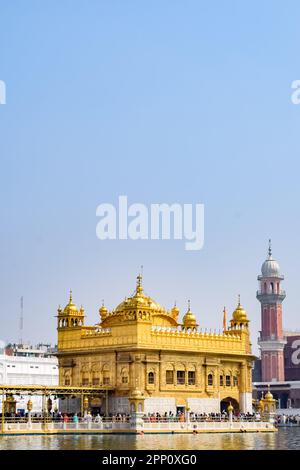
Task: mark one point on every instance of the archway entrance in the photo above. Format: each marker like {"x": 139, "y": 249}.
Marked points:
{"x": 226, "y": 402}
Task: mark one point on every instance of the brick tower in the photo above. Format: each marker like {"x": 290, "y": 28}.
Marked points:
{"x": 271, "y": 340}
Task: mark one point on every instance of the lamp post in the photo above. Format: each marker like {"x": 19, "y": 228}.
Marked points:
{"x": 29, "y": 408}
{"x": 3, "y": 410}
{"x": 85, "y": 405}
{"x": 230, "y": 410}
{"x": 49, "y": 405}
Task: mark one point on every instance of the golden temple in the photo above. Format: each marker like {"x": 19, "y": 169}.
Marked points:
{"x": 152, "y": 362}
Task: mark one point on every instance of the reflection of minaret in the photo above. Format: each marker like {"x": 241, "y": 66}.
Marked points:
{"x": 271, "y": 339}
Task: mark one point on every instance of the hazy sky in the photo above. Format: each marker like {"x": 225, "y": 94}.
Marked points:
{"x": 162, "y": 101}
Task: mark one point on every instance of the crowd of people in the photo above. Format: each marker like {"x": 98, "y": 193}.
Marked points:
{"x": 280, "y": 420}
{"x": 286, "y": 420}
{"x": 224, "y": 416}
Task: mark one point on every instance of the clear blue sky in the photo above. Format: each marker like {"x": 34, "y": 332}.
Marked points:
{"x": 164, "y": 101}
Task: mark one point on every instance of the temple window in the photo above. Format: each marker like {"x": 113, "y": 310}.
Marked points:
{"x": 169, "y": 377}
{"x": 181, "y": 377}
{"x": 67, "y": 381}
{"x": 106, "y": 380}
{"x": 191, "y": 377}
{"x": 124, "y": 379}
{"x": 210, "y": 380}
{"x": 221, "y": 381}
{"x": 96, "y": 381}
{"x": 85, "y": 381}
{"x": 228, "y": 380}
{"x": 151, "y": 378}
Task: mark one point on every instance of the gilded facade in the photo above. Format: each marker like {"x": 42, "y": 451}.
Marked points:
{"x": 152, "y": 361}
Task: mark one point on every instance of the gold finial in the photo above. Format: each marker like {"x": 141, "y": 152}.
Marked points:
{"x": 239, "y": 298}
{"x": 189, "y": 305}
{"x": 175, "y": 311}
{"x": 139, "y": 288}
{"x": 71, "y": 298}
{"x": 270, "y": 248}
{"x": 102, "y": 302}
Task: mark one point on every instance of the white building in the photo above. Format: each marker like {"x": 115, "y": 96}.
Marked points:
{"x": 24, "y": 365}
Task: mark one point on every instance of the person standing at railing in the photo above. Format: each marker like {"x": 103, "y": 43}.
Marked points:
{"x": 98, "y": 419}
{"x": 75, "y": 418}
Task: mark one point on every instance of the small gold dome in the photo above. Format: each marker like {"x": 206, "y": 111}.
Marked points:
{"x": 103, "y": 311}
{"x": 189, "y": 320}
{"x": 70, "y": 307}
{"x": 268, "y": 396}
{"x": 175, "y": 311}
{"x": 239, "y": 315}
{"x": 136, "y": 393}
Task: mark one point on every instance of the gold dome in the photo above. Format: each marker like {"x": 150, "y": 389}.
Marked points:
{"x": 140, "y": 307}
{"x": 269, "y": 396}
{"x": 139, "y": 300}
{"x": 70, "y": 307}
{"x": 239, "y": 315}
{"x": 189, "y": 320}
{"x": 103, "y": 311}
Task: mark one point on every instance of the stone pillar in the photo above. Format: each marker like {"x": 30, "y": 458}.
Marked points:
{"x": 136, "y": 403}
{"x": 136, "y": 421}
{"x": 245, "y": 389}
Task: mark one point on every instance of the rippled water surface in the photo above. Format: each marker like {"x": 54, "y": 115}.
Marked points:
{"x": 285, "y": 438}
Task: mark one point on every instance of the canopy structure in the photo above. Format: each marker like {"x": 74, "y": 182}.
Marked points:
{"x": 7, "y": 392}
{"x": 53, "y": 390}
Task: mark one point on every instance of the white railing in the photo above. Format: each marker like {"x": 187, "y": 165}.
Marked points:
{"x": 207, "y": 425}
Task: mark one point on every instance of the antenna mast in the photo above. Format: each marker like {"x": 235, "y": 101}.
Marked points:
{"x": 21, "y": 320}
